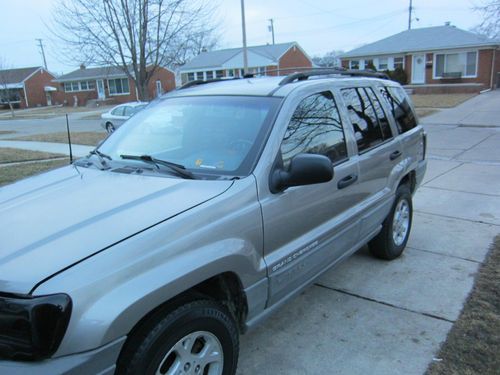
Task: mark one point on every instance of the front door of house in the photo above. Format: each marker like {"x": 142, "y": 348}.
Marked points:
{"x": 418, "y": 69}
{"x": 100, "y": 89}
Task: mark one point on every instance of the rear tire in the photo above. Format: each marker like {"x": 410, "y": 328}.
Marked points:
{"x": 391, "y": 241}
{"x": 199, "y": 337}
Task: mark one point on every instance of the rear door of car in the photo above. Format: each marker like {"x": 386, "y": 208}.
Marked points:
{"x": 379, "y": 152}
{"x": 306, "y": 228}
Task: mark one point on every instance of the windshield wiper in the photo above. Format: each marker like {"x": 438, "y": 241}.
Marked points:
{"x": 100, "y": 154}
{"x": 179, "y": 169}
{"x": 101, "y": 157}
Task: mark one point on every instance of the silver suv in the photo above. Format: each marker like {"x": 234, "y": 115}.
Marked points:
{"x": 198, "y": 218}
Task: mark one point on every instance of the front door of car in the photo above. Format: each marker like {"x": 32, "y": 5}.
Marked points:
{"x": 379, "y": 153}
{"x": 306, "y": 228}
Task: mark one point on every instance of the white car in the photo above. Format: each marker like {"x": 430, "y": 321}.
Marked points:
{"x": 114, "y": 118}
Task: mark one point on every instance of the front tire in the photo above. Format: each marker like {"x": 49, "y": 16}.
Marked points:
{"x": 199, "y": 338}
{"x": 391, "y": 241}
{"x": 110, "y": 128}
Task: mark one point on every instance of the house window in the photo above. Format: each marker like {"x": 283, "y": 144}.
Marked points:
{"x": 219, "y": 73}
{"x": 79, "y": 86}
{"x": 190, "y": 77}
{"x": 210, "y": 74}
{"x": 262, "y": 70}
{"x": 369, "y": 64}
{"x": 118, "y": 86}
{"x": 230, "y": 73}
{"x": 398, "y": 63}
{"x": 354, "y": 64}
{"x": 462, "y": 64}
{"x": 382, "y": 63}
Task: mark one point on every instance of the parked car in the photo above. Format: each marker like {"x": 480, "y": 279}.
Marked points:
{"x": 115, "y": 117}
{"x": 204, "y": 214}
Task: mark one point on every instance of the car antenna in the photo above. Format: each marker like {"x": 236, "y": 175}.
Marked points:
{"x": 69, "y": 141}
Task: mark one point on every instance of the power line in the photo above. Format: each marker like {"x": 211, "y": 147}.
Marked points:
{"x": 40, "y": 44}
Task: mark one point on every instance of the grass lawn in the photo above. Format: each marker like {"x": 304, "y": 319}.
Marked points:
{"x": 11, "y": 155}
{"x": 439, "y": 100}
{"x": 77, "y": 138}
{"x": 13, "y": 173}
{"x": 473, "y": 344}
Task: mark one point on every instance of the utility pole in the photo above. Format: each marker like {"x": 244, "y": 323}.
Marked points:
{"x": 271, "y": 27}
{"x": 245, "y": 56}
{"x": 40, "y": 44}
{"x": 410, "y": 9}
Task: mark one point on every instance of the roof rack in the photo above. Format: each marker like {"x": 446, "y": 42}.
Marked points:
{"x": 302, "y": 76}
{"x": 197, "y": 82}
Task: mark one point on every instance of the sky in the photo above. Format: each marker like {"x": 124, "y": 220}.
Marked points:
{"x": 319, "y": 26}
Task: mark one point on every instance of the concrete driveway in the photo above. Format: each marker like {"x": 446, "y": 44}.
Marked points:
{"x": 369, "y": 316}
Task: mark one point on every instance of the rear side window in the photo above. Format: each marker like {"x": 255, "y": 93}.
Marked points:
{"x": 315, "y": 128}
{"x": 364, "y": 120}
{"x": 118, "y": 111}
{"x": 400, "y": 108}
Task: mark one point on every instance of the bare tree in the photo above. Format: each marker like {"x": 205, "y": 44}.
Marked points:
{"x": 137, "y": 36}
{"x": 490, "y": 11}
{"x": 328, "y": 60}
{"x": 6, "y": 92}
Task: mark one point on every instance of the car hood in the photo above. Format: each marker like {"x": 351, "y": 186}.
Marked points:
{"x": 51, "y": 221}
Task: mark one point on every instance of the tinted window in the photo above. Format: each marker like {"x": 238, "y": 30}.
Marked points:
{"x": 400, "y": 108}
{"x": 315, "y": 128}
{"x": 379, "y": 111}
{"x": 363, "y": 118}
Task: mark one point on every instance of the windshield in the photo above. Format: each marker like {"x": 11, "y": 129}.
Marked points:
{"x": 220, "y": 135}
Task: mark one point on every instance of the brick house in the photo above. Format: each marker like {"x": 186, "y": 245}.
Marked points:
{"x": 27, "y": 87}
{"x": 435, "y": 59}
{"x": 276, "y": 59}
{"x": 109, "y": 84}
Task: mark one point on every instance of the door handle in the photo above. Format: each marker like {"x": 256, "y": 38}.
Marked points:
{"x": 346, "y": 181}
{"x": 396, "y": 154}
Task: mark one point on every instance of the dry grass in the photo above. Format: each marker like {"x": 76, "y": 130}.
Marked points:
{"x": 46, "y": 112}
{"x": 12, "y": 155}
{"x": 4, "y": 132}
{"x": 13, "y": 173}
{"x": 473, "y": 344}
{"x": 422, "y": 112}
{"x": 78, "y": 138}
{"x": 439, "y": 100}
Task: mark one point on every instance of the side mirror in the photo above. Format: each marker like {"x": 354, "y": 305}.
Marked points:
{"x": 304, "y": 169}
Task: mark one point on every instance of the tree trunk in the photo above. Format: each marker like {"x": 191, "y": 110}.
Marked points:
{"x": 142, "y": 90}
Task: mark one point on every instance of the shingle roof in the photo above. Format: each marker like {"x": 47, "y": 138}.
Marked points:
{"x": 215, "y": 59}
{"x": 92, "y": 73}
{"x": 423, "y": 39}
{"x": 12, "y": 76}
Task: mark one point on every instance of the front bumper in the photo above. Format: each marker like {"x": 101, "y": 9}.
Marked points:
{"x": 100, "y": 361}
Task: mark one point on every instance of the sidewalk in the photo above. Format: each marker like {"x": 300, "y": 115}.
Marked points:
{"x": 57, "y": 148}
{"x": 480, "y": 111}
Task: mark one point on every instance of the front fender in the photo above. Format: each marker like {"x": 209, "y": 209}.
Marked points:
{"x": 113, "y": 290}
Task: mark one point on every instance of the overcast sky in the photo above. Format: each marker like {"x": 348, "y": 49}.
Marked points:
{"x": 318, "y": 26}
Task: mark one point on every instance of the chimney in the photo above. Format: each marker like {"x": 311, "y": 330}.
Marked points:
{"x": 82, "y": 66}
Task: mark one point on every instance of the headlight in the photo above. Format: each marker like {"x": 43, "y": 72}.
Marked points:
{"x": 32, "y": 327}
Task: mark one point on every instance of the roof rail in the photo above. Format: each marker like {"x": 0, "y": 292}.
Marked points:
{"x": 301, "y": 76}
{"x": 197, "y": 82}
